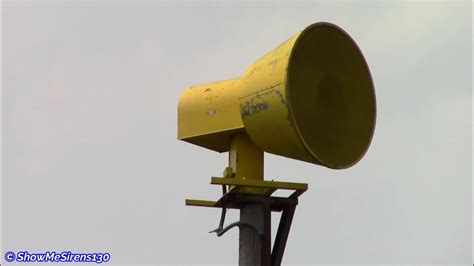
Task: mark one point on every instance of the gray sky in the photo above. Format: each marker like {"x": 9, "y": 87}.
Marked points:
{"x": 90, "y": 157}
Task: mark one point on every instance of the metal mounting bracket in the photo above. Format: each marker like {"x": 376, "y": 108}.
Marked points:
{"x": 240, "y": 195}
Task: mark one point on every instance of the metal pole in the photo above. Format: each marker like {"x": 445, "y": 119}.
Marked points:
{"x": 246, "y": 161}
{"x": 255, "y": 235}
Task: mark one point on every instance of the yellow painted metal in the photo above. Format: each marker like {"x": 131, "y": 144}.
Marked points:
{"x": 311, "y": 98}
{"x": 200, "y": 203}
{"x": 209, "y": 115}
{"x": 245, "y": 159}
{"x": 259, "y": 184}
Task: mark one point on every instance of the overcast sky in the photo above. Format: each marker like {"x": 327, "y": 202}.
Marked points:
{"x": 91, "y": 162}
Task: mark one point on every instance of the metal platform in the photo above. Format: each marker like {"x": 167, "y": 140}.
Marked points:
{"x": 242, "y": 190}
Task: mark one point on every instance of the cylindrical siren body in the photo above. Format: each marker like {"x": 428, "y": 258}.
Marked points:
{"x": 312, "y": 99}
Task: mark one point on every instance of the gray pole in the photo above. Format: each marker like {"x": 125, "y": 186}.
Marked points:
{"x": 255, "y": 240}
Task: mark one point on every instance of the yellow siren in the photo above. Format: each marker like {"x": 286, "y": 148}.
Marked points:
{"x": 311, "y": 98}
